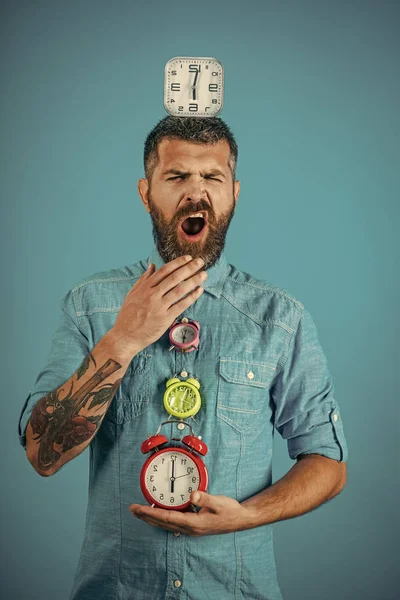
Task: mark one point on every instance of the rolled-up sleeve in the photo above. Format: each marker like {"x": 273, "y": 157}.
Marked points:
{"x": 69, "y": 346}
{"x": 307, "y": 413}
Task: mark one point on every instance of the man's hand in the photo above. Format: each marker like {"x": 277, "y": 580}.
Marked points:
{"x": 155, "y": 301}
{"x": 218, "y": 514}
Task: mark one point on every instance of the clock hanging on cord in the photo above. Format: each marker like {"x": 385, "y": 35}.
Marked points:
{"x": 193, "y": 86}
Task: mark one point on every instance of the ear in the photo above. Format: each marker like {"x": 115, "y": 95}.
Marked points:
{"x": 236, "y": 190}
{"x": 143, "y": 189}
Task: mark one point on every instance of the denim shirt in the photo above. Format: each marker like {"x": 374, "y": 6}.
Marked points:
{"x": 260, "y": 366}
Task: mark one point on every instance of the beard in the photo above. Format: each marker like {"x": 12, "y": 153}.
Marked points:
{"x": 170, "y": 244}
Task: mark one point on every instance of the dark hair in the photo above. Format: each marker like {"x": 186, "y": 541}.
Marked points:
{"x": 200, "y": 130}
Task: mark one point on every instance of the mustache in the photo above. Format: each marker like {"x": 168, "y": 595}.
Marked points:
{"x": 193, "y": 209}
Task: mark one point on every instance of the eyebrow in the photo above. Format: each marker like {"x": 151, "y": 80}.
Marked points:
{"x": 210, "y": 172}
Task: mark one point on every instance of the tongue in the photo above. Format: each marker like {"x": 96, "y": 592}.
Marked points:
{"x": 191, "y": 226}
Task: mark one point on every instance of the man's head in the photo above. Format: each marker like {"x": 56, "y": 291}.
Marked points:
{"x": 202, "y": 154}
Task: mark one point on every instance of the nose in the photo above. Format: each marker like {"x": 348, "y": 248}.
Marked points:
{"x": 196, "y": 192}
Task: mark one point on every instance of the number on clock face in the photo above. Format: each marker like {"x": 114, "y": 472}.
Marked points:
{"x": 171, "y": 477}
{"x": 193, "y": 86}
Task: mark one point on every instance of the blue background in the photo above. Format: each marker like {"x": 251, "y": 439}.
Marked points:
{"x": 312, "y": 96}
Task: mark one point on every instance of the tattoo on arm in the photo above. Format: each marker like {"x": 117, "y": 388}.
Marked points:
{"x": 85, "y": 365}
{"x": 58, "y": 423}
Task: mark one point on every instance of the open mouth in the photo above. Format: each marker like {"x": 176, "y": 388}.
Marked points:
{"x": 194, "y": 226}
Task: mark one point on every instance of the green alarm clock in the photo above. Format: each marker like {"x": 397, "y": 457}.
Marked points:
{"x": 182, "y": 398}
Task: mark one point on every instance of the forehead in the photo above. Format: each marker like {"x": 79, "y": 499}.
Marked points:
{"x": 179, "y": 153}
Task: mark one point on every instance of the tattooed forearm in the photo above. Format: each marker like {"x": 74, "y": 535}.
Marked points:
{"x": 63, "y": 422}
{"x": 57, "y": 424}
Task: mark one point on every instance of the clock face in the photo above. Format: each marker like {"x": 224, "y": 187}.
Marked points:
{"x": 183, "y": 334}
{"x": 193, "y": 86}
{"x": 170, "y": 475}
{"x": 182, "y": 400}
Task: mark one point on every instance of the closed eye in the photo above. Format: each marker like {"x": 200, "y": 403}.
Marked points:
{"x": 181, "y": 177}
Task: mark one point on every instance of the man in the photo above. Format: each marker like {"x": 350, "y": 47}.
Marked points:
{"x": 260, "y": 366}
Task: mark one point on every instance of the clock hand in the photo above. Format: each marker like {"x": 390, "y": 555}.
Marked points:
{"x": 184, "y": 475}
{"x": 173, "y": 478}
{"x": 194, "y": 85}
{"x": 183, "y": 398}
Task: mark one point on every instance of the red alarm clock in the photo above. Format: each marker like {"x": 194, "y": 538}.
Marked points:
{"x": 171, "y": 474}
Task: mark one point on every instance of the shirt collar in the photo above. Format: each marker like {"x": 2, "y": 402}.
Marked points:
{"x": 216, "y": 274}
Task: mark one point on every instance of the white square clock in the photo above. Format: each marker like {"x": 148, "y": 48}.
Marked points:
{"x": 193, "y": 86}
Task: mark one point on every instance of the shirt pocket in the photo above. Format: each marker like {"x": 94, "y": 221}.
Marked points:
{"x": 133, "y": 394}
{"x": 242, "y": 390}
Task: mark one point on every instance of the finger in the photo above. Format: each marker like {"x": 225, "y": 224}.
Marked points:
{"x": 150, "y": 269}
{"x": 204, "y": 500}
{"x": 163, "y": 517}
{"x": 163, "y": 525}
{"x": 144, "y": 276}
{"x": 156, "y": 522}
{"x": 173, "y": 517}
{"x": 148, "y": 272}
{"x": 169, "y": 268}
{"x": 177, "y": 308}
{"x": 184, "y": 288}
{"x": 168, "y": 280}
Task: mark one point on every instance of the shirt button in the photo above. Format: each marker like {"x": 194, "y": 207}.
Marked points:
{"x": 335, "y": 417}
{"x": 176, "y": 533}
{"x": 250, "y": 375}
{"x": 177, "y": 583}
{"x": 184, "y": 374}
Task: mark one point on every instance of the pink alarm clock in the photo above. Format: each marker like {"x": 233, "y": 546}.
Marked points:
{"x": 184, "y": 335}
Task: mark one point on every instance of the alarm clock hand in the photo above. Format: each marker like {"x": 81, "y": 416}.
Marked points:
{"x": 184, "y": 475}
{"x": 172, "y": 477}
{"x": 183, "y": 398}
